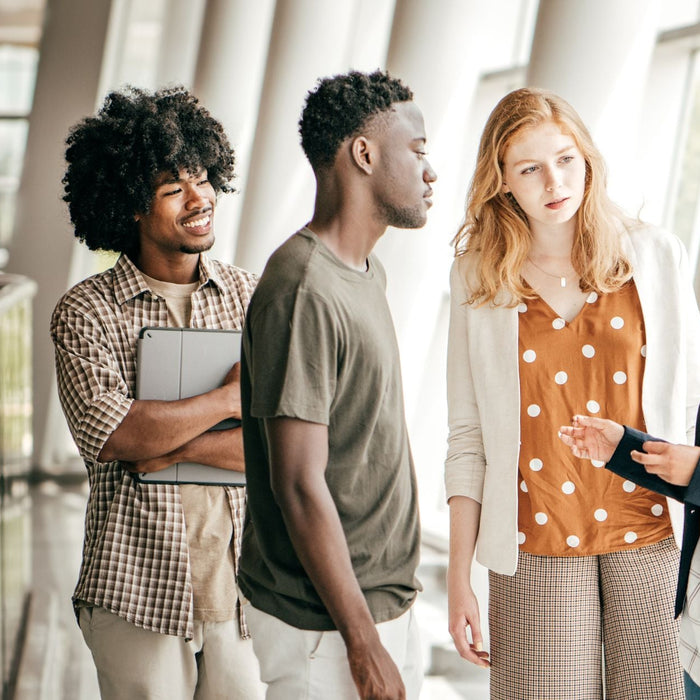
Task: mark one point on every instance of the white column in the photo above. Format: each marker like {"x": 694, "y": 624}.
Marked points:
{"x": 596, "y": 55}
{"x": 309, "y": 40}
{"x": 228, "y": 81}
{"x": 443, "y": 80}
{"x": 42, "y": 248}
{"x": 180, "y": 33}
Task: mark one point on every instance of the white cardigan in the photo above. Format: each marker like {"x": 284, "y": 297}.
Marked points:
{"x": 483, "y": 388}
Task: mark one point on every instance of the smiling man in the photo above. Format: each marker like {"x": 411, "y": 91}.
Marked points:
{"x": 156, "y": 598}
{"x": 331, "y": 542}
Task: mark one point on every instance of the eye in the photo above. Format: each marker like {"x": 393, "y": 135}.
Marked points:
{"x": 172, "y": 192}
{"x": 528, "y": 170}
{"x": 567, "y": 159}
{"x": 421, "y": 154}
{"x": 203, "y": 182}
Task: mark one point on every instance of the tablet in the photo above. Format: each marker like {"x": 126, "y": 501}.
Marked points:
{"x": 176, "y": 363}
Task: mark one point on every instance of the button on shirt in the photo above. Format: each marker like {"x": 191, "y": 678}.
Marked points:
{"x": 592, "y": 365}
{"x": 135, "y": 557}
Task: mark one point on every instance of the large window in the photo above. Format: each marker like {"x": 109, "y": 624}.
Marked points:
{"x": 17, "y": 74}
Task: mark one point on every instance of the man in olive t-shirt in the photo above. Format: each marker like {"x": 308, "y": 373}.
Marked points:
{"x": 331, "y": 542}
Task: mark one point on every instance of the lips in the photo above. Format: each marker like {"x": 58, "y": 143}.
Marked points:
{"x": 198, "y": 224}
{"x": 558, "y": 204}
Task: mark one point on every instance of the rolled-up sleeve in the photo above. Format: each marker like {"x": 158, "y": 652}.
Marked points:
{"x": 94, "y": 396}
{"x": 466, "y": 463}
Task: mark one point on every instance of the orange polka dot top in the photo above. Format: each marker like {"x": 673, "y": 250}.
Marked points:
{"x": 593, "y": 365}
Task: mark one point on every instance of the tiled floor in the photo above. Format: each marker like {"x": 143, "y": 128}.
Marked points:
{"x": 57, "y": 664}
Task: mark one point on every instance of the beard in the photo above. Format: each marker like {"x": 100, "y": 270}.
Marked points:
{"x": 403, "y": 217}
{"x": 201, "y": 247}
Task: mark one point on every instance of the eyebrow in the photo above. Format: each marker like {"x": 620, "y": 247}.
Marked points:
{"x": 535, "y": 160}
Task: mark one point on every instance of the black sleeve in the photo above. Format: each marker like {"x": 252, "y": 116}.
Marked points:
{"x": 623, "y": 465}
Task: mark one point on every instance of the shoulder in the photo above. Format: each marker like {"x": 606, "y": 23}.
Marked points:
{"x": 653, "y": 243}
{"x": 88, "y": 296}
{"x": 289, "y": 265}
{"x": 233, "y": 279}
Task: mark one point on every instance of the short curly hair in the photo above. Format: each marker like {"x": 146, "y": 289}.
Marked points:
{"x": 341, "y": 106}
{"x": 115, "y": 156}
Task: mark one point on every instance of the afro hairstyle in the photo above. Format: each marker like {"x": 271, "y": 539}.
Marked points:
{"x": 341, "y": 106}
{"x": 115, "y": 157}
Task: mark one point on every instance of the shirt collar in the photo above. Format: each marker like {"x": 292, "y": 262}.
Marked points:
{"x": 129, "y": 282}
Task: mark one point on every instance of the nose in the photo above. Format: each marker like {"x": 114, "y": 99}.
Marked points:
{"x": 553, "y": 180}
{"x": 429, "y": 175}
{"x": 196, "y": 197}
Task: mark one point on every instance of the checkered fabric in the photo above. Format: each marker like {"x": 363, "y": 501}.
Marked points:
{"x": 135, "y": 559}
{"x": 551, "y": 623}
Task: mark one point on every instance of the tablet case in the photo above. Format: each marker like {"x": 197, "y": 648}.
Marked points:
{"x": 176, "y": 363}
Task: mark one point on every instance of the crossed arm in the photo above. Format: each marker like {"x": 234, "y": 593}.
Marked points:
{"x": 156, "y": 434}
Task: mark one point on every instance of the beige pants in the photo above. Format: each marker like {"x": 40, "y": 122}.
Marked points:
{"x": 137, "y": 664}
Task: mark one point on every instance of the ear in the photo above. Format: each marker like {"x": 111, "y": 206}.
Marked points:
{"x": 137, "y": 218}
{"x": 362, "y": 152}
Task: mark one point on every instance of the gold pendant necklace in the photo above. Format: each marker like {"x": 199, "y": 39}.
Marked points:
{"x": 562, "y": 278}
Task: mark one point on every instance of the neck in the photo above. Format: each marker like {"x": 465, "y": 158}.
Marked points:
{"x": 183, "y": 270}
{"x": 346, "y": 226}
{"x": 553, "y": 242}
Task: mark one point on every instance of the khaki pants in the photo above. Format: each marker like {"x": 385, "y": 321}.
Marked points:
{"x": 137, "y": 664}
{"x": 313, "y": 665}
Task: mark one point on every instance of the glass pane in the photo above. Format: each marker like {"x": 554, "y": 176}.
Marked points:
{"x": 687, "y": 210}
{"x": 17, "y": 76}
{"x": 13, "y": 138}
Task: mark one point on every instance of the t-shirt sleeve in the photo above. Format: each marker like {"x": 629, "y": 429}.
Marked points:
{"x": 293, "y": 358}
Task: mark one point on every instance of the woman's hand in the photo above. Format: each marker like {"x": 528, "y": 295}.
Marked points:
{"x": 673, "y": 463}
{"x": 464, "y": 614}
{"x": 592, "y": 438}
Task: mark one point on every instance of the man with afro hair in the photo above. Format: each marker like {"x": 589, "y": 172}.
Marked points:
{"x": 331, "y": 540}
{"x": 156, "y": 598}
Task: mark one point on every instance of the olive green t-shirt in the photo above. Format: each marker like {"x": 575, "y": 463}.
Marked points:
{"x": 319, "y": 345}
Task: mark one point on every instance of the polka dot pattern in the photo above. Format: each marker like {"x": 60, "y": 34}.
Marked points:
{"x": 529, "y": 356}
{"x": 592, "y": 364}
{"x": 568, "y": 487}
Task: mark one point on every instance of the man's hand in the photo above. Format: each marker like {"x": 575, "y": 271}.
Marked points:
{"x": 232, "y": 381}
{"x": 375, "y": 673}
{"x": 463, "y": 614}
{"x": 673, "y": 463}
{"x": 592, "y": 438}
{"x": 148, "y": 466}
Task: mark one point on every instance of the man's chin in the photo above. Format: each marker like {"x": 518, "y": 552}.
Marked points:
{"x": 194, "y": 249}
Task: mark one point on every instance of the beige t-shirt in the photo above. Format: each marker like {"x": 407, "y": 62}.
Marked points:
{"x": 208, "y": 519}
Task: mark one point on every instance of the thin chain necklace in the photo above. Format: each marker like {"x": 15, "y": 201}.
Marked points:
{"x": 562, "y": 278}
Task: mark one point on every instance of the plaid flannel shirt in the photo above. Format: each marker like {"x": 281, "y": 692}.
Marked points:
{"x": 135, "y": 557}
